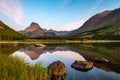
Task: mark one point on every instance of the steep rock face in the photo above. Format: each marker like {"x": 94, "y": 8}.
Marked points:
{"x": 33, "y": 26}
{"x": 94, "y": 21}
{"x": 106, "y": 19}
{"x": 34, "y": 30}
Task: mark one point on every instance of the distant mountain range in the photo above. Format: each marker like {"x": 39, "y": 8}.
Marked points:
{"x": 101, "y": 24}
{"x": 104, "y": 25}
{"x": 34, "y": 30}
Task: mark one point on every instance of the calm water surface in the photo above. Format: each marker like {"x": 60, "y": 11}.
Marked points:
{"x": 68, "y": 53}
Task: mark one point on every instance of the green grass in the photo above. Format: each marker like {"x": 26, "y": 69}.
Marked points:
{"x": 12, "y": 68}
{"x": 7, "y": 33}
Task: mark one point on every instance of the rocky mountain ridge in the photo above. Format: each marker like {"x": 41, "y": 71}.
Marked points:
{"x": 34, "y": 30}
{"x": 104, "y": 23}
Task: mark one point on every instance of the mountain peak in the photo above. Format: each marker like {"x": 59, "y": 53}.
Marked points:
{"x": 51, "y": 30}
{"x": 33, "y": 26}
{"x": 34, "y": 23}
{"x": 34, "y": 30}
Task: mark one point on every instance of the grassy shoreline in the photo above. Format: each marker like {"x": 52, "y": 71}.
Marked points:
{"x": 60, "y": 41}
{"x": 13, "y": 68}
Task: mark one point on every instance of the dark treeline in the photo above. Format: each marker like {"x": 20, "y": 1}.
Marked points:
{"x": 3, "y": 37}
{"x": 56, "y": 38}
{"x": 95, "y": 37}
{"x": 106, "y": 37}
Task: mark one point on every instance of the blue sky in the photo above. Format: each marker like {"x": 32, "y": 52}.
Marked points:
{"x": 55, "y": 14}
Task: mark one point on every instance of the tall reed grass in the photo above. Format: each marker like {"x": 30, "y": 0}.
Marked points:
{"x": 12, "y": 68}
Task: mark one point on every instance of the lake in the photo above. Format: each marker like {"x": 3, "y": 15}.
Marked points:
{"x": 68, "y": 53}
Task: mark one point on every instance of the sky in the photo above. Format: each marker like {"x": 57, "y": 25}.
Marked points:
{"x": 60, "y": 15}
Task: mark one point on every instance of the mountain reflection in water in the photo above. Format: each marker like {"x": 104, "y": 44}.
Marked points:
{"x": 68, "y": 54}
{"x": 33, "y": 55}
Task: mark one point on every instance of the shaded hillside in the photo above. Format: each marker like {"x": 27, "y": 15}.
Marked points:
{"x": 6, "y": 33}
{"x": 103, "y": 24}
{"x": 94, "y": 21}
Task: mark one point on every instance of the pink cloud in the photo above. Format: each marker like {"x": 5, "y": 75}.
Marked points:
{"x": 12, "y": 9}
{"x": 71, "y": 26}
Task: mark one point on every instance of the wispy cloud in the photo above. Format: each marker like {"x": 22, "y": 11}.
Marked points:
{"x": 64, "y": 3}
{"x": 71, "y": 26}
{"x": 94, "y": 7}
{"x": 12, "y": 9}
{"x": 118, "y": 3}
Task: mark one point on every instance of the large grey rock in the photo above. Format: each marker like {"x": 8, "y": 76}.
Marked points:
{"x": 82, "y": 65}
{"x": 57, "y": 68}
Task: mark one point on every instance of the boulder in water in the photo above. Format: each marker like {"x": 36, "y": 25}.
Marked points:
{"x": 57, "y": 68}
{"x": 82, "y": 65}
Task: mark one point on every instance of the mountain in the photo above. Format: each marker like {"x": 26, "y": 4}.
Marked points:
{"x": 62, "y": 33}
{"x": 102, "y": 24}
{"x": 59, "y": 33}
{"x": 6, "y": 33}
{"x": 34, "y": 30}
